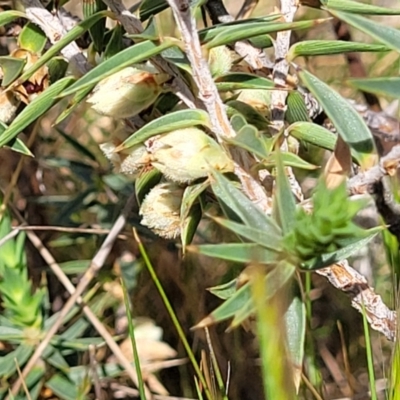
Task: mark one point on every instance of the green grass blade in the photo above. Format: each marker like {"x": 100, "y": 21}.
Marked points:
{"x": 172, "y": 314}
{"x": 358, "y": 8}
{"x": 133, "y": 341}
{"x": 9, "y": 16}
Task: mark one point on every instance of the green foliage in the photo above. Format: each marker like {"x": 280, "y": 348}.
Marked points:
{"x": 328, "y": 228}
{"x": 235, "y": 197}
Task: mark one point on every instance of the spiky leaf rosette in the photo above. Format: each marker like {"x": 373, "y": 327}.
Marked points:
{"x": 328, "y": 228}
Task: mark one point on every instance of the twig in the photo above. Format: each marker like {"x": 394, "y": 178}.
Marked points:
{"x": 95, "y": 265}
{"x": 133, "y": 25}
{"x": 387, "y": 166}
{"x": 247, "y": 9}
{"x": 54, "y": 30}
{"x": 343, "y": 277}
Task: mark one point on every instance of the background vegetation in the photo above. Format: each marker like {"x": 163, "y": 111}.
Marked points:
{"x": 204, "y": 192}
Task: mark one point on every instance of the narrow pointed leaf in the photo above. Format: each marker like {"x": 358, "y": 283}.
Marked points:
{"x": 349, "y": 124}
{"x": 167, "y": 123}
{"x": 284, "y": 203}
{"x": 237, "y": 201}
{"x": 385, "y": 86}
{"x": 148, "y": 8}
{"x": 237, "y": 252}
{"x": 225, "y": 290}
{"x": 358, "y": 7}
{"x": 295, "y": 322}
{"x": 296, "y": 108}
{"x": 345, "y": 252}
{"x": 240, "y": 304}
{"x": 131, "y": 55}
{"x": 240, "y": 81}
{"x": 233, "y": 34}
{"x": 35, "y": 109}
{"x": 329, "y": 47}
{"x": 20, "y": 147}
{"x": 313, "y": 134}
{"x": 268, "y": 239}
{"x": 382, "y": 33}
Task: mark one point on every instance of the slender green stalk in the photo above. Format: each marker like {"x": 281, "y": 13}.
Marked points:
{"x": 132, "y": 336}
{"x": 172, "y": 314}
{"x": 370, "y": 361}
{"x": 276, "y": 371}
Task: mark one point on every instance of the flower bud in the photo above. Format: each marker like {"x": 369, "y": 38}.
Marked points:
{"x": 161, "y": 210}
{"x": 187, "y": 154}
{"x": 128, "y": 161}
{"x": 220, "y": 60}
{"x": 126, "y": 93}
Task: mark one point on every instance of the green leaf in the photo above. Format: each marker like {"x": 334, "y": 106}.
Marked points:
{"x": 296, "y": 108}
{"x": 190, "y": 213}
{"x": 149, "y": 33}
{"x": 69, "y": 37}
{"x": 269, "y": 239}
{"x": 295, "y": 322}
{"x": 240, "y": 304}
{"x": 32, "y": 38}
{"x": 237, "y": 252}
{"x": 248, "y": 212}
{"x": 9, "y": 16}
{"x": 358, "y": 8}
{"x": 385, "y": 86}
{"x": 8, "y": 363}
{"x": 115, "y": 44}
{"x": 167, "y": 123}
{"x": 313, "y": 134}
{"x": 148, "y": 8}
{"x": 349, "y": 124}
{"x": 73, "y": 103}
{"x": 234, "y": 33}
{"x": 239, "y": 81}
{"x": 345, "y": 252}
{"x": 63, "y": 388}
{"x": 289, "y": 159}
{"x": 145, "y": 181}
{"x": 382, "y": 33}
{"x": 225, "y": 290}
{"x": 57, "y": 67}
{"x": 11, "y": 68}
{"x": 252, "y": 116}
{"x": 131, "y": 55}
{"x": 97, "y": 30}
{"x": 284, "y": 203}
{"x": 35, "y": 109}
{"x": 329, "y": 47}
{"x": 209, "y": 33}
{"x": 19, "y": 146}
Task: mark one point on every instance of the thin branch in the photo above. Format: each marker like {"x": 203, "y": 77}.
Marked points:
{"x": 387, "y": 166}
{"x": 208, "y": 93}
{"x": 345, "y": 278}
{"x": 96, "y": 264}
